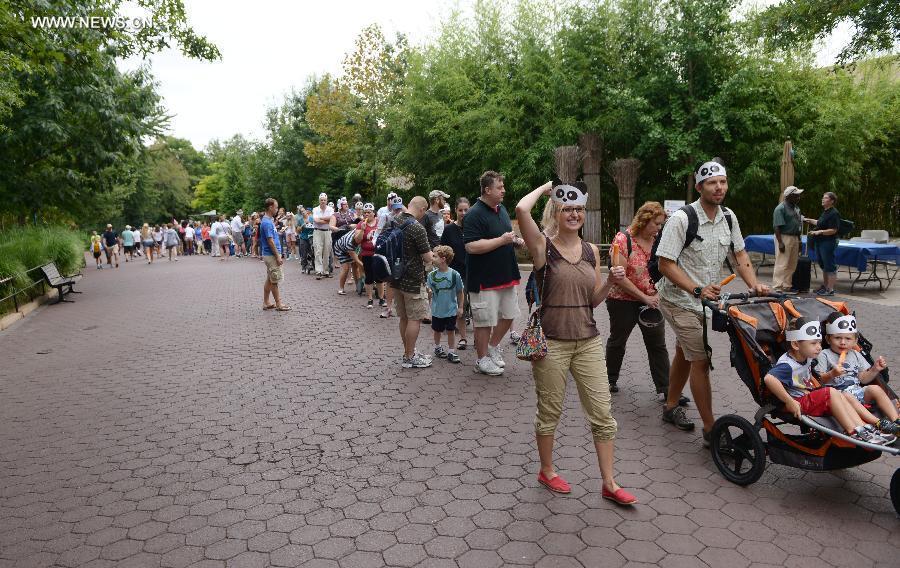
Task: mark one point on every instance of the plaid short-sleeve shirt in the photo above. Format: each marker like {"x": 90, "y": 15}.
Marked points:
{"x": 702, "y": 260}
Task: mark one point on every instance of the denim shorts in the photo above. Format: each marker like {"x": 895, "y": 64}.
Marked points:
{"x": 825, "y": 254}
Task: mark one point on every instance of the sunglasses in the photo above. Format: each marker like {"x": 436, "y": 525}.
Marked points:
{"x": 570, "y": 210}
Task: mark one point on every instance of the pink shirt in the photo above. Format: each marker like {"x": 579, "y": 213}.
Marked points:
{"x": 635, "y": 269}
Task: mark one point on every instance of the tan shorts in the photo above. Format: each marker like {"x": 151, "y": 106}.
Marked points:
{"x": 489, "y": 306}
{"x": 688, "y": 328}
{"x": 273, "y": 271}
{"x": 411, "y": 306}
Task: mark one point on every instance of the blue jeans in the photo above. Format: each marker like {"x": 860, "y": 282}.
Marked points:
{"x": 825, "y": 253}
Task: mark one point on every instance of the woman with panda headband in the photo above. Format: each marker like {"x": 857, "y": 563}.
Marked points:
{"x": 570, "y": 286}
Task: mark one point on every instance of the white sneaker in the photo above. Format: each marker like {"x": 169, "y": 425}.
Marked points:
{"x": 417, "y": 361}
{"x": 486, "y": 366}
{"x": 496, "y": 355}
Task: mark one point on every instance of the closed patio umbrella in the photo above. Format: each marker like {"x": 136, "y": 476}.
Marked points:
{"x": 787, "y": 168}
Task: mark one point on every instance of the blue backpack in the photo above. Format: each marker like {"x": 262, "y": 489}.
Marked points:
{"x": 388, "y": 264}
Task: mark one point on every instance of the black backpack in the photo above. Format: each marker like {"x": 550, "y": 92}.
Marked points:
{"x": 689, "y": 236}
{"x": 388, "y": 264}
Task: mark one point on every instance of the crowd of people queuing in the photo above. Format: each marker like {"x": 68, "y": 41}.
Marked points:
{"x": 459, "y": 266}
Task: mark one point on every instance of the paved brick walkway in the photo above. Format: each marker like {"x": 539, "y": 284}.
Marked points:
{"x": 165, "y": 420}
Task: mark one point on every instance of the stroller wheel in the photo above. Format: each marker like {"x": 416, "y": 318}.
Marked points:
{"x": 895, "y": 491}
{"x": 737, "y": 449}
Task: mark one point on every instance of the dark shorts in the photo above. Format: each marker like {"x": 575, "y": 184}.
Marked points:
{"x": 368, "y": 269}
{"x": 97, "y": 254}
{"x": 443, "y": 324}
{"x": 816, "y": 403}
{"x": 129, "y": 248}
{"x": 825, "y": 250}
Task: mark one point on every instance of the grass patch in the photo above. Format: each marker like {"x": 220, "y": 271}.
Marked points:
{"x": 24, "y": 248}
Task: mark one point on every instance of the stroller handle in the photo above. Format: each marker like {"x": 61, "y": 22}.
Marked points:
{"x": 732, "y": 299}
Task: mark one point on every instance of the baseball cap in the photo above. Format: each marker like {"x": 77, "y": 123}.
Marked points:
{"x": 438, "y": 193}
{"x": 391, "y": 195}
{"x": 792, "y": 190}
{"x": 397, "y": 202}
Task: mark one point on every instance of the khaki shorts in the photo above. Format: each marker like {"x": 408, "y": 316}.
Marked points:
{"x": 411, "y": 306}
{"x": 273, "y": 271}
{"x": 489, "y": 306}
{"x": 688, "y": 328}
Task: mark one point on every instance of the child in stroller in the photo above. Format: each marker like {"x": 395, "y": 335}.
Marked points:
{"x": 854, "y": 372}
{"x": 758, "y": 329}
{"x": 792, "y": 382}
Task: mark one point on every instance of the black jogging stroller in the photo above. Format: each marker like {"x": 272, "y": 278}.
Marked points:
{"x": 756, "y": 327}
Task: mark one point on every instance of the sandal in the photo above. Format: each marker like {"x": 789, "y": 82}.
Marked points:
{"x": 269, "y": 307}
{"x": 462, "y": 344}
{"x": 283, "y": 309}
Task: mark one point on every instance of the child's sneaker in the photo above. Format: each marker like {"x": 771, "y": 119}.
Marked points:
{"x": 369, "y": 305}
{"x": 888, "y": 438}
{"x": 452, "y": 357}
{"x": 868, "y": 435}
{"x": 440, "y": 352}
{"x": 888, "y": 427}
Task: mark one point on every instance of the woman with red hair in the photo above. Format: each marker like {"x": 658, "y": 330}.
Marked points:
{"x": 634, "y": 301}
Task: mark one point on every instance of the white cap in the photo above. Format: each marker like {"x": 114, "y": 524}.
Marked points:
{"x": 792, "y": 190}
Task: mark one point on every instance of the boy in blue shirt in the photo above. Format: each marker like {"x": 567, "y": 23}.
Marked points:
{"x": 791, "y": 381}
{"x": 445, "y": 288}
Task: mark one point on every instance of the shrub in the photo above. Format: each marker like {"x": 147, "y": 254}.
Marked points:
{"x": 24, "y": 248}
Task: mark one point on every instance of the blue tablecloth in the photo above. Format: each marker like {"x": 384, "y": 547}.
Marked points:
{"x": 849, "y": 253}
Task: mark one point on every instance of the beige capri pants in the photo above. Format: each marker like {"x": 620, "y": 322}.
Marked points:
{"x": 585, "y": 360}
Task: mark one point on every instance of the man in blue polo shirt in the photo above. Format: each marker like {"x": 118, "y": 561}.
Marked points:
{"x": 270, "y": 248}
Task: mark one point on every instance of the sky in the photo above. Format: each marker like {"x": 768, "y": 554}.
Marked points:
{"x": 270, "y": 47}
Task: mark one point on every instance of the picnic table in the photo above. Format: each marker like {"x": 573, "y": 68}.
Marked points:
{"x": 865, "y": 257}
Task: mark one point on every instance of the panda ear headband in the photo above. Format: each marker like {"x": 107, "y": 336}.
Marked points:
{"x": 809, "y": 331}
{"x": 569, "y": 193}
{"x": 708, "y": 170}
{"x": 844, "y": 324}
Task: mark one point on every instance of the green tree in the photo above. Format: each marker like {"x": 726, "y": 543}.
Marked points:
{"x": 875, "y": 24}
{"x": 69, "y": 119}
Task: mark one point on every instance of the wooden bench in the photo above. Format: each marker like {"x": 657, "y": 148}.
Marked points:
{"x": 63, "y": 284}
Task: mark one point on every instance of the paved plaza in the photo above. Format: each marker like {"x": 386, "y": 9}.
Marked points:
{"x": 164, "y": 419}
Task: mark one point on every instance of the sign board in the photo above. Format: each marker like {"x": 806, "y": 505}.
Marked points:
{"x": 672, "y": 205}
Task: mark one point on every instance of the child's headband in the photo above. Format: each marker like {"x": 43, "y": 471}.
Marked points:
{"x": 844, "y": 324}
{"x": 810, "y": 330}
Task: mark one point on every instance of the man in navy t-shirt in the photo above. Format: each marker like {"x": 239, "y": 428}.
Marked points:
{"x": 270, "y": 248}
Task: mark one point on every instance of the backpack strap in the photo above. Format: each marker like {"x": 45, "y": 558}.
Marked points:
{"x": 694, "y": 225}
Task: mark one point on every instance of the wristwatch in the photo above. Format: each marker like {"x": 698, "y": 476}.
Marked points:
{"x": 698, "y": 291}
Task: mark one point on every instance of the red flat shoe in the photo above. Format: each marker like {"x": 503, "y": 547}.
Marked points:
{"x": 557, "y": 484}
{"x": 619, "y": 496}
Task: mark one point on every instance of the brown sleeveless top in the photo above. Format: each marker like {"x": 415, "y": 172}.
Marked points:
{"x": 568, "y": 313}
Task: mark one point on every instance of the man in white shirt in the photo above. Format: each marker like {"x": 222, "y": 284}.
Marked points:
{"x": 137, "y": 240}
{"x": 237, "y": 233}
{"x": 323, "y": 215}
{"x": 216, "y": 232}
{"x": 384, "y": 215}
